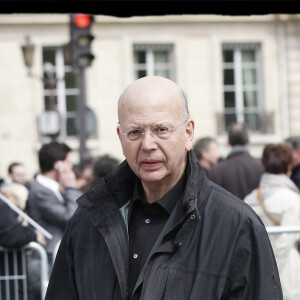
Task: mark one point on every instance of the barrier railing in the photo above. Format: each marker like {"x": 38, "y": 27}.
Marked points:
{"x": 55, "y": 250}
{"x": 282, "y": 229}
{"x": 14, "y": 271}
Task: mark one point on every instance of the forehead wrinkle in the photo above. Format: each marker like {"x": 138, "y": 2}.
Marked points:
{"x": 146, "y": 120}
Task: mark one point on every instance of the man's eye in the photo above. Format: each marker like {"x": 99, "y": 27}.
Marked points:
{"x": 134, "y": 132}
{"x": 161, "y": 130}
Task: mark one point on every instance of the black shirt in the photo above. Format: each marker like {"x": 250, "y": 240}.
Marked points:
{"x": 146, "y": 221}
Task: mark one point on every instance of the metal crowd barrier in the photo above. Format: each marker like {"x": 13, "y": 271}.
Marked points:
{"x": 276, "y": 230}
{"x": 14, "y": 271}
{"x": 55, "y": 250}
{"x": 282, "y": 229}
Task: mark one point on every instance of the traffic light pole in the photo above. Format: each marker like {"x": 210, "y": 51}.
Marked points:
{"x": 83, "y": 153}
{"x": 81, "y": 58}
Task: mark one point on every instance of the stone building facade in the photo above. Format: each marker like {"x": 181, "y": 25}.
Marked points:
{"x": 244, "y": 68}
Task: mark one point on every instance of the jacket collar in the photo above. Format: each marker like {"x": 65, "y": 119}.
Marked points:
{"x": 195, "y": 196}
{"x": 119, "y": 185}
{"x": 238, "y": 150}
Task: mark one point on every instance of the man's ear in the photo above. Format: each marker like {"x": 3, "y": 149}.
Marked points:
{"x": 190, "y": 134}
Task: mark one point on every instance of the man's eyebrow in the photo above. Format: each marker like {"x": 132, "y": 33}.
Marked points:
{"x": 154, "y": 124}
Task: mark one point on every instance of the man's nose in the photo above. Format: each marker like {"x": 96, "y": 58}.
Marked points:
{"x": 149, "y": 141}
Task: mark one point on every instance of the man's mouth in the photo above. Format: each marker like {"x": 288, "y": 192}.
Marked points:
{"x": 150, "y": 164}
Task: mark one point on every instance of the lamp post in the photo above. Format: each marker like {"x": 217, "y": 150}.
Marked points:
{"x": 48, "y": 120}
{"x": 28, "y": 51}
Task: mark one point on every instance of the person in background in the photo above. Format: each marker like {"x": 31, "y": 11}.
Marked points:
{"x": 294, "y": 142}
{"x": 80, "y": 181}
{"x": 104, "y": 165}
{"x": 17, "y": 174}
{"x": 87, "y": 175}
{"x": 15, "y": 233}
{"x": 83, "y": 177}
{"x": 52, "y": 197}
{"x": 239, "y": 173}
{"x": 16, "y": 193}
{"x": 84, "y": 174}
{"x": 277, "y": 203}
{"x": 207, "y": 152}
{"x": 94, "y": 170}
{"x": 156, "y": 227}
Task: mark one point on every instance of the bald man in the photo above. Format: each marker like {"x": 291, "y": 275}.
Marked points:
{"x": 156, "y": 227}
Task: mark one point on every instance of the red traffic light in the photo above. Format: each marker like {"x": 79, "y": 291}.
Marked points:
{"x": 81, "y": 39}
{"x": 82, "y": 21}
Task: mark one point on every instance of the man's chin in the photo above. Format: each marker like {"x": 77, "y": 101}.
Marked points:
{"x": 151, "y": 177}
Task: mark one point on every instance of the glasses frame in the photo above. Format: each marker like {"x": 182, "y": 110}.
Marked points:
{"x": 171, "y": 130}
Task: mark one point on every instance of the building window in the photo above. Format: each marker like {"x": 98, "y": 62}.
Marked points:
{"x": 242, "y": 86}
{"x": 61, "y": 90}
{"x": 153, "y": 59}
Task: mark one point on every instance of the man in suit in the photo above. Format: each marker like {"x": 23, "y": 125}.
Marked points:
{"x": 52, "y": 197}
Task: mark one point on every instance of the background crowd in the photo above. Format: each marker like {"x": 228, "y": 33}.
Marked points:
{"x": 270, "y": 185}
{"x": 49, "y": 199}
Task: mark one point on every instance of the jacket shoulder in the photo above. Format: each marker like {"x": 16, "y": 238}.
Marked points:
{"x": 37, "y": 189}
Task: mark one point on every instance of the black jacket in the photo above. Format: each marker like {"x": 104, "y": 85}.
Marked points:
{"x": 219, "y": 250}
{"x": 295, "y": 176}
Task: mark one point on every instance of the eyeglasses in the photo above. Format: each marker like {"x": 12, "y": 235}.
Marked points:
{"x": 161, "y": 132}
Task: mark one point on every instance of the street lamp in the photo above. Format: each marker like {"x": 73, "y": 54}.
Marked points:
{"x": 49, "y": 121}
{"x": 28, "y": 51}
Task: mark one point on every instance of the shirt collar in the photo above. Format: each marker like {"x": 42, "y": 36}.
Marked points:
{"x": 169, "y": 200}
{"x": 51, "y": 184}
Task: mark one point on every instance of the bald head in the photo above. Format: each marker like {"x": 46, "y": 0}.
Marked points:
{"x": 152, "y": 89}
{"x": 155, "y": 132}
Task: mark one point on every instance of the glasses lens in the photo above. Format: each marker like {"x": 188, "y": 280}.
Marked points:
{"x": 161, "y": 132}
{"x": 134, "y": 135}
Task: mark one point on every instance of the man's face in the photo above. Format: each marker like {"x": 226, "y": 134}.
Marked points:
{"x": 18, "y": 174}
{"x": 148, "y": 105}
{"x": 296, "y": 157}
{"x": 213, "y": 154}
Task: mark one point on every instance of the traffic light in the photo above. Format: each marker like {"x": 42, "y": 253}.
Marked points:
{"x": 81, "y": 39}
